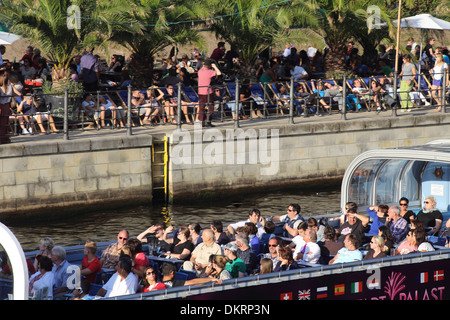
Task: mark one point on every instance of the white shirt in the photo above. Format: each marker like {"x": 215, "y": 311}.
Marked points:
{"x": 298, "y": 72}
{"x": 118, "y": 287}
{"x": 312, "y": 253}
{"x": 242, "y": 224}
{"x": 46, "y": 281}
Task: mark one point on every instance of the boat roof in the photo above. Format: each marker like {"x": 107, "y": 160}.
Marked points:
{"x": 433, "y": 151}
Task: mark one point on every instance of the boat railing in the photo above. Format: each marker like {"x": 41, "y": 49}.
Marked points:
{"x": 283, "y": 276}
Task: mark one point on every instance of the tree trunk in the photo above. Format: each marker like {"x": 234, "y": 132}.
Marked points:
{"x": 334, "y": 61}
{"x": 141, "y": 70}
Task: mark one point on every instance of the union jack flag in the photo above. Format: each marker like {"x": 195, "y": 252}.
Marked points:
{"x": 304, "y": 294}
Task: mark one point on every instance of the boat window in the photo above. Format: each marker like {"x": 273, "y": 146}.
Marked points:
{"x": 410, "y": 186}
{"x": 361, "y": 184}
{"x": 435, "y": 182}
{"x": 387, "y": 182}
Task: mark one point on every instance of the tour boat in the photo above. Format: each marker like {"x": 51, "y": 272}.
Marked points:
{"x": 374, "y": 177}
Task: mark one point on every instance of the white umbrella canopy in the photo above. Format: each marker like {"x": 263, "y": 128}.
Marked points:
{"x": 423, "y": 21}
{"x": 8, "y": 38}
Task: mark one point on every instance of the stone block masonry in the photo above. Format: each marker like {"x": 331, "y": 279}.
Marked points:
{"x": 204, "y": 161}
{"x": 65, "y": 176}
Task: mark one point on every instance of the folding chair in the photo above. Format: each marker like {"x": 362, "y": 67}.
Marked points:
{"x": 355, "y": 100}
{"x": 260, "y": 97}
{"x": 231, "y": 90}
{"x": 123, "y": 103}
{"x": 282, "y": 102}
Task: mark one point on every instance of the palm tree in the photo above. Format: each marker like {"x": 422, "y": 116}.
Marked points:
{"x": 46, "y": 24}
{"x": 163, "y": 23}
{"x": 252, "y": 26}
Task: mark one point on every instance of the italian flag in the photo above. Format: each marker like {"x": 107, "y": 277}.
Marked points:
{"x": 356, "y": 287}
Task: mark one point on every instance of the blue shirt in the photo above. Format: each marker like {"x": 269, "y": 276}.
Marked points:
{"x": 376, "y": 223}
{"x": 61, "y": 275}
{"x": 345, "y": 255}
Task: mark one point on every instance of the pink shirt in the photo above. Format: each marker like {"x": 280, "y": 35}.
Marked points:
{"x": 204, "y": 80}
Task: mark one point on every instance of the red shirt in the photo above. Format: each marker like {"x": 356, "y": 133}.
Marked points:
{"x": 95, "y": 266}
{"x": 157, "y": 286}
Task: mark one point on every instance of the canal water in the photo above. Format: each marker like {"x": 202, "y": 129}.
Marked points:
{"x": 104, "y": 225}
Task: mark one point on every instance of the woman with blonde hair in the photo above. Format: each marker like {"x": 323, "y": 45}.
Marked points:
{"x": 217, "y": 267}
{"x": 430, "y": 216}
{"x": 378, "y": 249}
{"x": 438, "y": 79}
{"x": 266, "y": 266}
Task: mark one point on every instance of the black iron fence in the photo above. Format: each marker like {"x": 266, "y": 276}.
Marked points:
{"x": 235, "y": 101}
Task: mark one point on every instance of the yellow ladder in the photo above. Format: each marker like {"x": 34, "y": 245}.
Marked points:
{"x": 160, "y": 160}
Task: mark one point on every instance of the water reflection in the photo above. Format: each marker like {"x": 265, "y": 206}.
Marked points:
{"x": 106, "y": 224}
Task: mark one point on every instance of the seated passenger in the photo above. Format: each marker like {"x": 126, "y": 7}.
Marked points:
{"x": 60, "y": 272}
{"x": 251, "y": 230}
{"x": 150, "y": 281}
{"x": 157, "y": 241}
{"x": 378, "y": 215}
{"x": 318, "y": 228}
{"x": 406, "y": 214}
{"x": 377, "y": 248}
{"x": 349, "y": 253}
{"x": 285, "y": 260}
{"x": 411, "y": 243}
{"x": 269, "y": 228}
{"x": 354, "y": 226}
{"x": 110, "y": 256}
{"x": 138, "y": 257}
{"x": 297, "y": 242}
{"x": 254, "y": 216}
{"x": 44, "y": 277}
{"x": 171, "y": 104}
{"x": 220, "y": 236}
{"x": 90, "y": 265}
{"x": 235, "y": 266}
{"x": 397, "y": 225}
{"x": 266, "y": 266}
{"x": 430, "y": 216}
{"x": 181, "y": 247}
{"x": 246, "y": 253}
{"x": 311, "y": 251}
{"x": 200, "y": 256}
{"x": 218, "y": 264}
{"x": 291, "y": 219}
{"x": 122, "y": 282}
{"x": 273, "y": 244}
{"x": 330, "y": 247}
{"x": 386, "y": 233}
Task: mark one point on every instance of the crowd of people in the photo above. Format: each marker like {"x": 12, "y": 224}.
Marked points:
{"x": 256, "y": 245}
{"x": 207, "y": 75}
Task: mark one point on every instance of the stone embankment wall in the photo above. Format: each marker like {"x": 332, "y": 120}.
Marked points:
{"x": 63, "y": 176}
{"x": 309, "y": 153}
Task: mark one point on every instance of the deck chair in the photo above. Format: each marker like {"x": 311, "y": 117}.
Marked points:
{"x": 123, "y": 103}
{"x": 260, "y": 97}
{"x": 280, "y": 101}
{"x": 356, "y": 101}
{"x": 192, "y": 98}
{"x": 231, "y": 91}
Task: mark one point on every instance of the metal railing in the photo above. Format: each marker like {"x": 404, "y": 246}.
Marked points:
{"x": 68, "y": 113}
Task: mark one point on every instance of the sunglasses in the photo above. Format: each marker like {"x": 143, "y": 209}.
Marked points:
{"x": 403, "y": 204}
{"x": 150, "y": 272}
{"x": 426, "y": 202}
{"x": 121, "y": 238}
{"x": 272, "y": 245}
